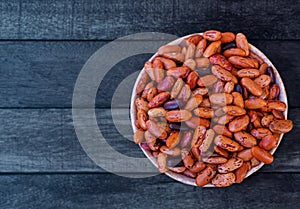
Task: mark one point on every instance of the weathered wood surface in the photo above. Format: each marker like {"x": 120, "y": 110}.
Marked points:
{"x": 44, "y": 140}
{"x": 43, "y": 74}
{"x": 107, "y": 20}
{"x": 265, "y": 191}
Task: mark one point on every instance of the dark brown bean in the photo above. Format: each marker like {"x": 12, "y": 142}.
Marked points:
{"x": 228, "y": 46}
{"x": 271, "y": 74}
{"x": 175, "y": 126}
{"x": 171, "y": 105}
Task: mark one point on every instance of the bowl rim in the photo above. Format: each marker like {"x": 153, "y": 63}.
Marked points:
{"x": 179, "y": 177}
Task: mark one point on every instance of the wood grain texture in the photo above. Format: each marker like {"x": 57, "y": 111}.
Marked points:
{"x": 43, "y": 74}
{"x": 107, "y": 20}
{"x": 44, "y": 140}
{"x": 265, "y": 191}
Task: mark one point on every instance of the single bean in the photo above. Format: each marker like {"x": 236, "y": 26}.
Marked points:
{"x": 171, "y": 152}
{"x": 189, "y": 173}
{"x": 221, "y": 99}
{"x": 228, "y": 52}
{"x": 166, "y": 84}
{"x": 205, "y": 176}
{"x": 231, "y": 165}
{"x": 222, "y": 130}
{"x": 243, "y": 62}
{"x": 204, "y": 112}
{"x": 178, "y": 115}
{"x": 142, "y": 83}
{"x": 245, "y": 155}
{"x": 162, "y": 162}
{"x": 262, "y": 155}
{"x": 239, "y": 123}
{"x": 175, "y": 126}
{"x": 179, "y": 72}
{"x": 251, "y": 86}
{"x": 193, "y": 102}
{"x": 238, "y": 99}
{"x": 177, "y": 169}
{"x": 212, "y": 35}
{"x": 245, "y": 139}
{"x": 154, "y": 129}
{"x": 167, "y": 62}
{"x": 281, "y": 126}
{"x": 138, "y": 136}
{"x": 221, "y": 151}
{"x": 201, "y": 48}
{"x": 226, "y": 143}
{"x": 271, "y": 74}
{"x": 198, "y": 136}
{"x": 186, "y": 139}
{"x": 268, "y": 142}
{"x": 234, "y": 110}
{"x": 223, "y": 180}
{"x": 260, "y": 133}
{"x": 159, "y": 99}
{"x": 221, "y": 61}
{"x": 187, "y": 158}
{"x": 173, "y": 139}
{"x": 207, "y": 141}
{"x": 215, "y": 160}
{"x": 194, "y": 39}
{"x": 145, "y": 146}
{"x": 227, "y": 37}
{"x": 197, "y": 167}
{"x": 212, "y": 49}
{"x": 241, "y": 172}
{"x": 171, "y": 105}
{"x": 192, "y": 79}
{"x": 242, "y": 42}
{"x": 176, "y": 88}
{"x": 196, "y": 153}
{"x": 157, "y": 112}
{"x": 238, "y": 89}
{"x": 228, "y": 45}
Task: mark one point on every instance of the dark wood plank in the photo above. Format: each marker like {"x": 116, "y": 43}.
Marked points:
{"x": 270, "y": 191}
{"x": 107, "y": 20}
{"x": 44, "y": 140}
{"x": 43, "y": 74}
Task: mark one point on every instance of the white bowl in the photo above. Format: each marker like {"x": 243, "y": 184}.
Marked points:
{"x": 180, "y": 177}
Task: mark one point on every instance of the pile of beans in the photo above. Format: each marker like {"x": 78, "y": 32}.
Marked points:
{"x": 209, "y": 109}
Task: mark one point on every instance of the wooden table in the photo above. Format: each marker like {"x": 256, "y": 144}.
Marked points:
{"x": 44, "y": 45}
